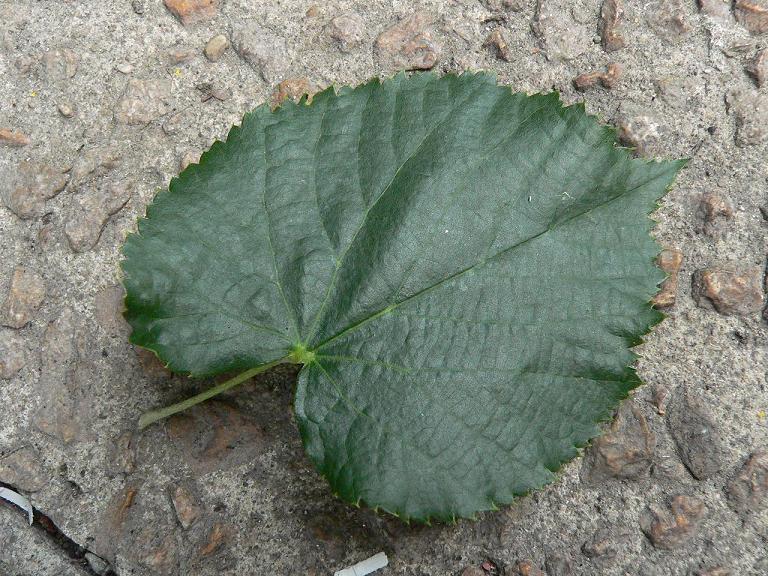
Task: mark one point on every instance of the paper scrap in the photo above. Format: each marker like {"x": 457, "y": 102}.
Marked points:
{"x": 365, "y": 567}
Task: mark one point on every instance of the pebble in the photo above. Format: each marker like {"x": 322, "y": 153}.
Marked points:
{"x": 751, "y": 111}
{"x": 215, "y": 47}
{"x": 672, "y": 527}
{"x": 66, "y": 110}
{"x": 605, "y": 79}
{"x": 13, "y": 138}
{"x": 526, "y": 568}
{"x": 189, "y": 157}
{"x": 163, "y": 555}
{"x": 180, "y": 55}
{"x": 60, "y": 64}
{"x": 191, "y": 11}
{"x": 605, "y": 545}
{"x": 216, "y": 538}
{"x": 758, "y": 67}
{"x": 31, "y": 186}
{"x": 186, "y": 506}
{"x": 25, "y": 294}
{"x": 143, "y": 101}
{"x": 611, "y": 15}
{"x": 108, "y": 304}
{"x": 639, "y": 132}
{"x": 716, "y": 8}
{"x": 266, "y": 52}
{"x": 752, "y": 14}
{"x": 124, "y": 68}
{"x": 714, "y": 213}
{"x": 560, "y": 36}
{"x": 100, "y": 566}
{"x": 669, "y": 260}
{"x": 24, "y": 64}
{"x": 122, "y": 458}
{"x": 408, "y": 44}
{"x": 347, "y": 30}
{"x": 293, "y": 88}
{"x": 496, "y": 40}
{"x": 669, "y": 19}
{"x": 209, "y": 91}
{"x": 91, "y": 213}
{"x": 24, "y": 470}
{"x": 729, "y": 291}
{"x": 94, "y": 162}
{"x": 748, "y": 489}
{"x": 696, "y": 437}
{"x": 625, "y": 451}
{"x": 138, "y": 7}
{"x": 12, "y": 354}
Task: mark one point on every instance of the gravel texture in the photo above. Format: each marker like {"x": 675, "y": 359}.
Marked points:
{"x": 100, "y": 102}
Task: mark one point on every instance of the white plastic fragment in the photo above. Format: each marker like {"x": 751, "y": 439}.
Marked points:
{"x": 18, "y": 500}
{"x": 365, "y": 567}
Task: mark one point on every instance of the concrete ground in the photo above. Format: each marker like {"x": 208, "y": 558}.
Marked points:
{"x": 100, "y": 103}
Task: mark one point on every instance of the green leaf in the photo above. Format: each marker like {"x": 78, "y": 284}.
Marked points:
{"x": 460, "y": 269}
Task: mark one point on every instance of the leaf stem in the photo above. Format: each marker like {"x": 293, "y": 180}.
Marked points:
{"x": 154, "y": 415}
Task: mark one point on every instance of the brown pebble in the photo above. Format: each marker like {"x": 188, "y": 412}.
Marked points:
{"x": 669, "y": 260}
{"x": 610, "y": 19}
{"x": 191, "y": 11}
{"x": 180, "y": 55}
{"x": 13, "y": 138}
{"x": 189, "y": 157}
{"x": 215, "y": 539}
{"x": 659, "y": 398}
{"x": 33, "y": 184}
{"x": 185, "y": 505}
{"x": 26, "y": 293}
{"x": 674, "y": 526}
{"x": 758, "y": 67}
{"x": 473, "y": 571}
{"x": 215, "y": 47}
{"x": 527, "y": 568}
{"x": 753, "y": 15}
{"x": 748, "y": 489}
{"x": 23, "y": 469}
{"x": 408, "y": 44}
{"x": 591, "y": 79}
{"x": 728, "y": 291}
{"x": 348, "y": 30}
{"x": 713, "y": 214}
{"x": 66, "y": 110}
{"x": 293, "y": 88}
{"x": 313, "y": 11}
{"x": 496, "y": 40}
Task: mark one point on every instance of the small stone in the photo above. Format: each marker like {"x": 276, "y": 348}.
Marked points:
{"x": 191, "y": 11}
{"x": 293, "y": 88}
{"x": 189, "y": 157}
{"x": 13, "y": 139}
{"x": 12, "y": 354}
{"x": 473, "y": 571}
{"x": 180, "y": 55}
{"x": 716, "y": 8}
{"x": 209, "y": 91}
{"x": 625, "y": 451}
{"x": 31, "y": 186}
{"x": 161, "y": 557}
{"x": 26, "y": 293}
{"x": 94, "y": 162}
{"x": 60, "y": 64}
{"x": 94, "y": 208}
{"x": 713, "y": 214}
{"x": 312, "y": 12}
{"x": 559, "y": 35}
{"x": 215, "y": 47}
{"x": 557, "y": 564}
{"x": 758, "y": 67}
{"x": 143, "y": 101}
{"x": 100, "y": 566}
{"x": 659, "y": 398}
{"x": 728, "y": 291}
{"x": 611, "y": 15}
{"x": 605, "y": 545}
{"x": 266, "y": 52}
{"x": 124, "y": 68}
{"x": 526, "y": 568}
{"x": 640, "y": 132}
{"x": 138, "y": 7}
{"x": 606, "y": 79}
{"x": 108, "y": 307}
{"x": 696, "y": 438}
{"x": 408, "y": 44}
{"x": 670, "y": 528}
{"x": 748, "y": 489}
{"x": 752, "y": 14}
{"x": 23, "y": 470}
{"x": 123, "y": 454}
{"x": 670, "y": 260}
{"x": 751, "y": 111}
{"x": 215, "y": 539}
{"x": 24, "y": 63}
{"x": 669, "y": 19}
{"x": 348, "y": 30}
{"x": 186, "y": 506}
{"x": 496, "y": 40}
{"x": 66, "y": 110}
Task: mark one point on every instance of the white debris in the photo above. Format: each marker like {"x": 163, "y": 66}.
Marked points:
{"x": 24, "y": 504}
{"x": 365, "y": 567}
